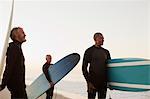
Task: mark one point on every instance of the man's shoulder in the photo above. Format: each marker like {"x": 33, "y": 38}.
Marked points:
{"x": 105, "y": 49}
{"x": 45, "y": 64}
{"x": 89, "y": 49}
{"x": 44, "y": 67}
{"x": 12, "y": 45}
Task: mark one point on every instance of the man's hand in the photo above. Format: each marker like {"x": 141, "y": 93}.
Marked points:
{"x": 108, "y": 86}
{"x": 1, "y": 87}
{"x": 51, "y": 84}
{"x": 91, "y": 87}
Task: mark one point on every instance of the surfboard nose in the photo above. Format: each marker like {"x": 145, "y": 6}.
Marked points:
{"x": 75, "y": 55}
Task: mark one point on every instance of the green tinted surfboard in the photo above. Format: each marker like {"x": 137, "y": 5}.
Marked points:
{"x": 129, "y": 74}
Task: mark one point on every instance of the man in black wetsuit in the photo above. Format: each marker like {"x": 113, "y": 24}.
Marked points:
{"x": 14, "y": 74}
{"x": 49, "y": 92}
{"x": 96, "y": 58}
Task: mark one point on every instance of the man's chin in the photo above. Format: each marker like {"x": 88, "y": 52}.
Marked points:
{"x": 24, "y": 40}
{"x": 99, "y": 44}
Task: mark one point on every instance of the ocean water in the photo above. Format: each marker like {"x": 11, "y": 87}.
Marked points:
{"x": 78, "y": 89}
{"x": 74, "y": 87}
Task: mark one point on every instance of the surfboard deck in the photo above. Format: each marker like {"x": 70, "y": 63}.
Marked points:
{"x": 57, "y": 72}
{"x": 129, "y": 74}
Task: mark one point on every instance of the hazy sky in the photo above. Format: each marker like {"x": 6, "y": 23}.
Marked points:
{"x": 149, "y": 26}
{"x": 65, "y": 26}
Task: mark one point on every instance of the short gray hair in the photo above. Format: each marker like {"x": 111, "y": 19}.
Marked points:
{"x": 97, "y": 34}
{"x": 12, "y": 33}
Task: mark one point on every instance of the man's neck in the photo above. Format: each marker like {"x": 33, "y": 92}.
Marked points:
{"x": 98, "y": 46}
{"x": 48, "y": 62}
{"x": 18, "y": 42}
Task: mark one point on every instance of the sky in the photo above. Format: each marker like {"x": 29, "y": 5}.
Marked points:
{"x": 63, "y": 27}
{"x": 149, "y": 24}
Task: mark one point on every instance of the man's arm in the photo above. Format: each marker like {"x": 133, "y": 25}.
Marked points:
{"x": 86, "y": 60}
{"x": 108, "y": 58}
{"x": 108, "y": 55}
{"x": 45, "y": 71}
{"x": 10, "y": 62}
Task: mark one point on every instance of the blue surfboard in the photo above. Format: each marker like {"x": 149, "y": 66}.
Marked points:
{"x": 57, "y": 72}
{"x": 129, "y": 74}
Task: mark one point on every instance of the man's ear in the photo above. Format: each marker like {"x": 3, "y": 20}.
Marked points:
{"x": 15, "y": 35}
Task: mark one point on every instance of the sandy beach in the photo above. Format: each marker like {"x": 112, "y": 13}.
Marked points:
{"x": 6, "y": 95}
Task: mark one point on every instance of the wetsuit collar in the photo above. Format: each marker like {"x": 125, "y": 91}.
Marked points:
{"x": 97, "y": 46}
{"x": 17, "y": 43}
{"x": 48, "y": 63}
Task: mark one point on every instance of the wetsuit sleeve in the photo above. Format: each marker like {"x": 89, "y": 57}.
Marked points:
{"x": 108, "y": 58}
{"x": 10, "y": 62}
{"x": 45, "y": 71}
{"x": 108, "y": 55}
{"x": 86, "y": 61}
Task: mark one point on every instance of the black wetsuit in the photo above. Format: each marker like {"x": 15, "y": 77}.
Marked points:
{"x": 49, "y": 92}
{"x": 97, "y": 58}
{"x": 14, "y": 74}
